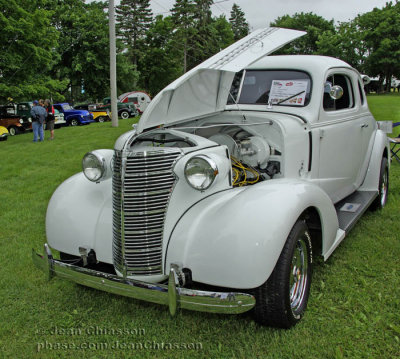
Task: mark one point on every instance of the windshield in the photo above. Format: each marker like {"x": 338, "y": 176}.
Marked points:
{"x": 67, "y": 107}
{"x": 274, "y": 87}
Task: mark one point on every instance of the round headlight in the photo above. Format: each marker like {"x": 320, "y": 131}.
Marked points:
{"x": 21, "y": 121}
{"x": 200, "y": 172}
{"x": 93, "y": 167}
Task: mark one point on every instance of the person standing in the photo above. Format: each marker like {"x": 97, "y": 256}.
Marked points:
{"x": 38, "y": 117}
{"x": 50, "y": 118}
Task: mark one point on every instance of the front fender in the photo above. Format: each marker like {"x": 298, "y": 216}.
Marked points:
{"x": 79, "y": 214}
{"x": 234, "y": 238}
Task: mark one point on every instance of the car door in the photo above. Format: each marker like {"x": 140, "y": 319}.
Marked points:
{"x": 343, "y": 129}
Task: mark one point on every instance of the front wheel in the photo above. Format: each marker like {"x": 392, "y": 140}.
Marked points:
{"x": 74, "y": 122}
{"x": 282, "y": 300}
{"x": 12, "y": 131}
{"x": 380, "y": 201}
{"x": 101, "y": 119}
{"x": 124, "y": 114}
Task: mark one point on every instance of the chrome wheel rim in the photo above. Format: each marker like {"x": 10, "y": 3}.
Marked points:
{"x": 298, "y": 274}
{"x": 384, "y": 188}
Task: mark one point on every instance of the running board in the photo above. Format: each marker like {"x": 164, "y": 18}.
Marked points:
{"x": 350, "y": 209}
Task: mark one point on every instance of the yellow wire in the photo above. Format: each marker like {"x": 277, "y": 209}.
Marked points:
{"x": 244, "y": 170}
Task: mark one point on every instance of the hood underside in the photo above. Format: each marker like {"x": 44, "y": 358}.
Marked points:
{"x": 204, "y": 90}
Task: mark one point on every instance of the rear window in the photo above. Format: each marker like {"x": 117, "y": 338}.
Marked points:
{"x": 275, "y": 87}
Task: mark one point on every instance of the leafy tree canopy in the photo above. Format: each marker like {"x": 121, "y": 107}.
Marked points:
{"x": 240, "y": 26}
{"x": 26, "y": 50}
{"x": 313, "y": 24}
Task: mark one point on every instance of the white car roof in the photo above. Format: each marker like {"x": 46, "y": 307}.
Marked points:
{"x": 308, "y": 63}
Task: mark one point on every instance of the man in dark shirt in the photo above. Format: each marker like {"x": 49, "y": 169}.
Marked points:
{"x": 38, "y": 117}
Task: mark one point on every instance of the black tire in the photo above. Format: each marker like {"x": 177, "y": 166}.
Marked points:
{"x": 74, "y": 122}
{"x": 13, "y": 131}
{"x": 124, "y": 114}
{"x": 101, "y": 119}
{"x": 381, "y": 200}
{"x": 282, "y": 300}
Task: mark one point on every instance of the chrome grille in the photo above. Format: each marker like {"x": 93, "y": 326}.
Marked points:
{"x": 142, "y": 184}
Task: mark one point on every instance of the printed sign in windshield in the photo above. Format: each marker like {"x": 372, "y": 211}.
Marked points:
{"x": 288, "y": 92}
{"x": 271, "y": 87}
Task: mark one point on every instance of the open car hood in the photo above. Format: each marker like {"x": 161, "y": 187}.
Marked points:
{"x": 204, "y": 90}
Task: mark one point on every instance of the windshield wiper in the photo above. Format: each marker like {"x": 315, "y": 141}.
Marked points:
{"x": 288, "y": 98}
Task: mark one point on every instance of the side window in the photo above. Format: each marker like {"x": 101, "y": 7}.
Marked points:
{"x": 346, "y": 101}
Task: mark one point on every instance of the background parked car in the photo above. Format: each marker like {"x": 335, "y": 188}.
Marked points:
{"x": 3, "y": 133}
{"x": 13, "y": 122}
{"x": 139, "y": 98}
{"x": 72, "y": 116}
{"x": 99, "y": 114}
{"x": 125, "y": 110}
{"x": 23, "y": 109}
{"x": 59, "y": 118}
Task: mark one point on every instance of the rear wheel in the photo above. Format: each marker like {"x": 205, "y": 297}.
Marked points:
{"x": 124, "y": 114}
{"x": 101, "y": 119}
{"x": 282, "y": 300}
{"x": 381, "y": 200}
{"x": 74, "y": 122}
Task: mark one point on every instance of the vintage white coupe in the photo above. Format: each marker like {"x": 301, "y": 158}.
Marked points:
{"x": 237, "y": 175}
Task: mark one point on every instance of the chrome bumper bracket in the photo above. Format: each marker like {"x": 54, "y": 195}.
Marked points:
{"x": 170, "y": 295}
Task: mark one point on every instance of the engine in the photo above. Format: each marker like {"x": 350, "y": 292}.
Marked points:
{"x": 250, "y": 157}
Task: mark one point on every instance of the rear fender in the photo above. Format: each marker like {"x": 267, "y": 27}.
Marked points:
{"x": 234, "y": 238}
{"x": 371, "y": 180}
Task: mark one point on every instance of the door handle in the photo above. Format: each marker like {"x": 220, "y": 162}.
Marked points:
{"x": 364, "y": 125}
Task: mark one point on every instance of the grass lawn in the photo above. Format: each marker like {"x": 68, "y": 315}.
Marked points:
{"x": 353, "y": 310}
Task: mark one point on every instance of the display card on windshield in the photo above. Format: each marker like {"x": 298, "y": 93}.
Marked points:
{"x": 288, "y": 92}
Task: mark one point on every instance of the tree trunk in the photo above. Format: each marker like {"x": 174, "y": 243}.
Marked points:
{"x": 185, "y": 56}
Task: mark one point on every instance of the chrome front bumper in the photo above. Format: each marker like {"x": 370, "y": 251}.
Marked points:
{"x": 171, "y": 295}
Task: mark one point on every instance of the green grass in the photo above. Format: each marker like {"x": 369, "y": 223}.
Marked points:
{"x": 353, "y": 309}
{"x": 386, "y": 108}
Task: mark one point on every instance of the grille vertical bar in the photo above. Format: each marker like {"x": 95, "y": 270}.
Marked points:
{"x": 142, "y": 184}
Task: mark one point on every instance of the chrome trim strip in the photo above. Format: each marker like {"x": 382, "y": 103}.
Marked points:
{"x": 170, "y": 295}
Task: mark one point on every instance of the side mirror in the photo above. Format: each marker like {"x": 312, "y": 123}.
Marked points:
{"x": 365, "y": 79}
{"x": 336, "y": 92}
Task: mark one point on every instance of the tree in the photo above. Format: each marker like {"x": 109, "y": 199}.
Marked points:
{"x": 240, "y": 26}
{"x": 26, "y": 50}
{"x": 381, "y": 34}
{"x": 204, "y": 42}
{"x": 83, "y": 48}
{"x": 134, "y": 18}
{"x": 313, "y": 24}
{"x": 346, "y": 43}
{"x": 183, "y": 14}
{"x": 162, "y": 57}
{"x": 224, "y": 33}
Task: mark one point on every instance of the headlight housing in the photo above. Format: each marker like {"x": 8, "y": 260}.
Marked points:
{"x": 94, "y": 166}
{"x": 200, "y": 172}
{"x": 21, "y": 121}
